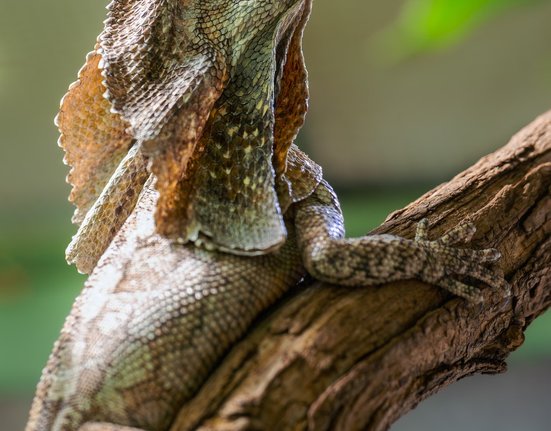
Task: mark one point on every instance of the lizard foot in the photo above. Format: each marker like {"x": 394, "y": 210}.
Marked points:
{"x": 444, "y": 262}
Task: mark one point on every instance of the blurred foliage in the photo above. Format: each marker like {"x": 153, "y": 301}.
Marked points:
{"x": 37, "y": 288}
{"x": 429, "y": 25}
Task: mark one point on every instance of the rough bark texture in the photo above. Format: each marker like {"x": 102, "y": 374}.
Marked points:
{"x": 334, "y": 358}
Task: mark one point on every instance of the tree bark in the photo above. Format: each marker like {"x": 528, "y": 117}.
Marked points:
{"x": 335, "y": 358}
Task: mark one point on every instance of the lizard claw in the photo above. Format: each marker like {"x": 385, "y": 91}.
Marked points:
{"x": 446, "y": 261}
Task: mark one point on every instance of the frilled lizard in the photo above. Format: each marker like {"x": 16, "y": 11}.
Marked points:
{"x": 196, "y": 209}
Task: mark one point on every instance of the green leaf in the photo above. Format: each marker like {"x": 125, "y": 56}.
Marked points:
{"x": 429, "y": 25}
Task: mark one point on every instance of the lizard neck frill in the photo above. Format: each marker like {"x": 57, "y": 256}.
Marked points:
{"x": 214, "y": 94}
{"x": 239, "y": 188}
{"x": 233, "y": 204}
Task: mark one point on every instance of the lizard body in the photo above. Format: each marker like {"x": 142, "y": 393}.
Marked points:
{"x": 192, "y": 322}
{"x": 180, "y": 136}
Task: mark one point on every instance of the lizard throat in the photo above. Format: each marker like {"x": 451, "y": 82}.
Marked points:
{"x": 237, "y": 187}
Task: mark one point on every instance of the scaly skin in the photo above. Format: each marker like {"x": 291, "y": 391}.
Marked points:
{"x": 142, "y": 338}
{"x": 204, "y": 98}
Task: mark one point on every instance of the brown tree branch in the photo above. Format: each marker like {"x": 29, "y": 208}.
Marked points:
{"x": 334, "y": 358}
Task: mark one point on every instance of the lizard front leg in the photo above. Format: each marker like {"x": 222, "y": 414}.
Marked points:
{"x": 377, "y": 259}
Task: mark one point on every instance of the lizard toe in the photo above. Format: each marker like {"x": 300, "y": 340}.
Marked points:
{"x": 477, "y": 271}
{"x": 488, "y": 255}
{"x": 463, "y": 290}
{"x": 421, "y": 234}
{"x": 462, "y": 233}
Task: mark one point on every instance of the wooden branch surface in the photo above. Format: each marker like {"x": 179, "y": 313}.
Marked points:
{"x": 335, "y": 358}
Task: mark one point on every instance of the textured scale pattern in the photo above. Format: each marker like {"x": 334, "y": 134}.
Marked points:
{"x": 165, "y": 66}
{"x": 198, "y": 97}
{"x": 94, "y": 139}
{"x": 162, "y": 75}
{"x": 151, "y": 341}
{"x": 141, "y": 339}
{"x": 110, "y": 210}
{"x": 200, "y": 100}
{"x": 300, "y": 179}
{"x": 374, "y": 259}
{"x": 291, "y": 92}
{"x": 234, "y": 200}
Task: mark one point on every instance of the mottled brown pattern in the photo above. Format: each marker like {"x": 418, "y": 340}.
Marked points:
{"x": 372, "y": 259}
{"x": 300, "y": 179}
{"x": 94, "y": 139}
{"x": 292, "y": 96}
{"x": 163, "y": 76}
{"x": 156, "y": 316}
{"x": 332, "y": 358}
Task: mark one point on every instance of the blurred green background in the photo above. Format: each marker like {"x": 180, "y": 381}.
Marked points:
{"x": 405, "y": 94}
